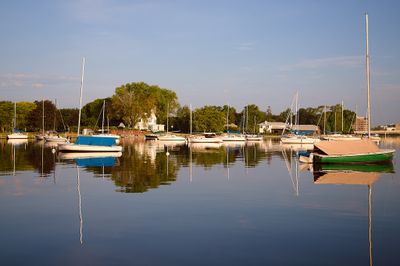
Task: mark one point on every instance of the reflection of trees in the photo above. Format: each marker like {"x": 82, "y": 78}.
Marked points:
{"x": 138, "y": 172}
{"x": 9, "y": 158}
{"x": 41, "y": 158}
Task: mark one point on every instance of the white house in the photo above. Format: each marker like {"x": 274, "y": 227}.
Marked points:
{"x": 271, "y": 127}
{"x": 149, "y": 124}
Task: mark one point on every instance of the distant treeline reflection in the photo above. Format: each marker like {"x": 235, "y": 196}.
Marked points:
{"x": 142, "y": 166}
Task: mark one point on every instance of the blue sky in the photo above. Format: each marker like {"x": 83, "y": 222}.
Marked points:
{"x": 209, "y": 52}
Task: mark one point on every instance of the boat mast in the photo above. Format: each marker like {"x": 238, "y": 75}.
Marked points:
{"x": 191, "y": 119}
{"x": 368, "y": 76}
{"x": 342, "y": 116}
{"x": 15, "y": 117}
{"x": 102, "y": 121}
{"x": 80, "y": 97}
{"x": 227, "y": 120}
{"x": 324, "y": 119}
{"x": 167, "y": 115}
{"x": 55, "y": 113}
{"x": 43, "y": 117}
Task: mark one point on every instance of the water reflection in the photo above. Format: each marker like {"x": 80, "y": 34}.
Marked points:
{"x": 365, "y": 175}
{"x": 148, "y": 165}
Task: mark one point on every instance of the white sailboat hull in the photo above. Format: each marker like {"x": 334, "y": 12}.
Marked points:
{"x": 72, "y": 147}
{"x": 55, "y": 139}
{"x": 298, "y": 140}
{"x": 171, "y": 138}
{"x": 17, "y": 136}
{"x": 233, "y": 138}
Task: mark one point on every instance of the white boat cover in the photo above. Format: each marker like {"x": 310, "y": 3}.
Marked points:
{"x": 345, "y": 147}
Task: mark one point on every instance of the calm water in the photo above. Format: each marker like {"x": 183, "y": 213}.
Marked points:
{"x": 175, "y": 205}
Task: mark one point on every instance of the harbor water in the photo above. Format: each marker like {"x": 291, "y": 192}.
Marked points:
{"x": 160, "y": 203}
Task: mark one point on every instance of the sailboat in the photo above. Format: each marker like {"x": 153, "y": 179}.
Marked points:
{"x": 54, "y": 136}
{"x": 297, "y": 138}
{"x": 170, "y": 137}
{"x": 337, "y": 136}
{"x": 231, "y": 136}
{"x": 358, "y": 151}
{"x": 16, "y": 133}
{"x": 89, "y": 143}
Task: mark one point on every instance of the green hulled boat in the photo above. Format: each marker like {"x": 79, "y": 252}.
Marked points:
{"x": 354, "y": 152}
{"x": 373, "y": 157}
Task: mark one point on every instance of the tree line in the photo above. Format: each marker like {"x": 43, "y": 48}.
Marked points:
{"x": 135, "y": 101}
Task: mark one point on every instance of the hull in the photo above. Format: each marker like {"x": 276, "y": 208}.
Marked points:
{"x": 233, "y": 138}
{"x": 298, "y": 140}
{"x": 171, "y": 138}
{"x": 17, "y": 136}
{"x": 375, "y": 157}
{"x": 88, "y": 148}
{"x": 55, "y": 139}
{"x": 340, "y": 137}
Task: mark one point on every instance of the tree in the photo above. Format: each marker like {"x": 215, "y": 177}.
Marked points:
{"x": 36, "y": 116}
{"x": 134, "y": 101}
{"x": 6, "y": 115}
{"x": 70, "y": 116}
{"x": 92, "y": 112}
{"x": 23, "y": 111}
{"x": 182, "y": 119}
{"x": 208, "y": 118}
{"x": 251, "y": 116}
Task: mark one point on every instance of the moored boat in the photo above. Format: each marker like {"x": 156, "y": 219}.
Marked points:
{"x": 298, "y": 139}
{"x": 233, "y": 137}
{"x": 356, "y": 152}
{"x": 171, "y": 137}
{"x": 91, "y": 144}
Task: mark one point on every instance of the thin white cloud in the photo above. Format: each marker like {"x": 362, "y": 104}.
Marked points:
{"x": 340, "y": 61}
{"x": 32, "y": 80}
{"x": 245, "y": 46}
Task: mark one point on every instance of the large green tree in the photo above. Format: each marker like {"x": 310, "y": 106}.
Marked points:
{"x": 36, "y": 116}
{"x": 134, "y": 101}
{"x": 209, "y": 118}
{"x": 23, "y": 114}
{"x": 6, "y": 115}
{"x": 92, "y": 113}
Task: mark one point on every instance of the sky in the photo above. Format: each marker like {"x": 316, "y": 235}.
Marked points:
{"x": 210, "y": 52}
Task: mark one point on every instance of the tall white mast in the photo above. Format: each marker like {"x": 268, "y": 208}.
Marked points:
{"x": 80, "y": 97}
{"x": 227, "y": 121}
{"x": 368, "y": 76}
{"x": 43, "y": 117}
{"x": 342, "y": 116}
{"x": 167, "y": 116}
{"x": 102, "y": 122}
{"x": 15, "y": 117}
{"x": 191, "y": 130}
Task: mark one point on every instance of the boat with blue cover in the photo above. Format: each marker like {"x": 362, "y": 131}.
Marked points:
{"x": 91, "y": 144}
